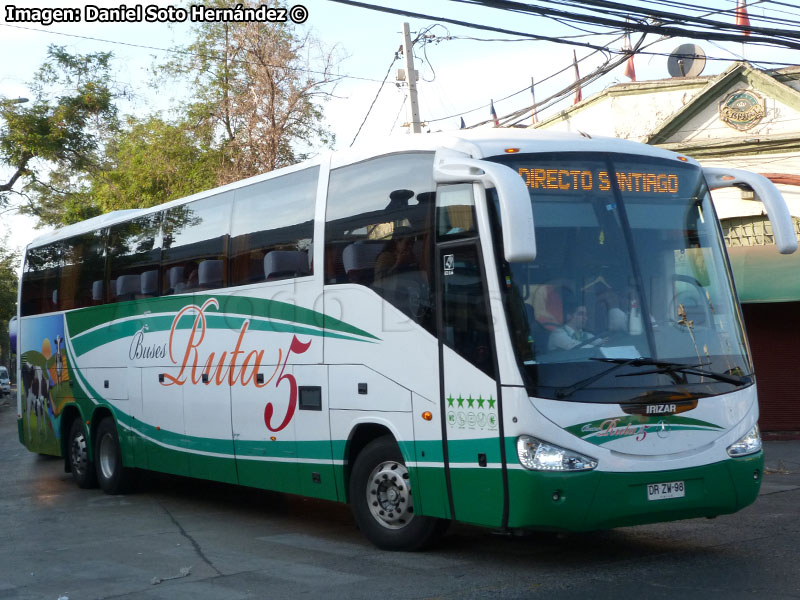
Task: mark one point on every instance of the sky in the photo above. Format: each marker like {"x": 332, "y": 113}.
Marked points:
{"x": 457, "y": 77}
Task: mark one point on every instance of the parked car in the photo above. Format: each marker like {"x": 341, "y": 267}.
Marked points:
{"x": 5, "y": 382}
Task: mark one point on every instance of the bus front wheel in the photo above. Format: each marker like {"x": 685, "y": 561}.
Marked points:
{"x": 382, "y": 500}
{"x": 112, "y": 476}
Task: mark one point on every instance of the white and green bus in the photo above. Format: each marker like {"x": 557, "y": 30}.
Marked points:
{"x": 504, "y": 328}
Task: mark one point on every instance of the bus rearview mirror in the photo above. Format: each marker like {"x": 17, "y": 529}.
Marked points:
{"x": 516, "y": 212}
{"x": 767, "y": 193}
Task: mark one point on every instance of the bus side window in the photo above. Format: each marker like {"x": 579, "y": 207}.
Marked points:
{"x": 83, "y": 270}
{"x": 195, "y": 246}
{"x": 40, "y": 280}
{"x": 134, "y": 252}
{"x": 465, "y": 319}
{"x": 378, "y": 231}
{"x": 455, "y": 212}
{"x": 272, "y": 228}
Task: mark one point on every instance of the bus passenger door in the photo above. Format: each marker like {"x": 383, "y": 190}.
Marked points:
{"x": 470, "y": 402}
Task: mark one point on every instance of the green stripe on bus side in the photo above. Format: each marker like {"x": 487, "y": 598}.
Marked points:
{"x": 466, "y": 451}
{"x": 86, "y": 342}
{"x": 84, "y": 319}
{"x": 314, "y": 450}
{"x": 430, "y": 491}
{"x": 429, "y": 451}
{"x": 603, "y": 431}
{"x": 292, "y": 466}
{"x": 310, "y": 450}
{"x": 460, "y": 451}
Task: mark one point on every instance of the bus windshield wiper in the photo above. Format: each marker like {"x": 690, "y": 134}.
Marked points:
{"x": 661, "y": 367}
{"x": 618, "y": 363}
{"x": 674, "y": 368}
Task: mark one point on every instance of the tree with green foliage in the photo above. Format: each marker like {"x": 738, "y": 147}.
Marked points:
{"x": 257, "y": 87}
{"x": 9, "y": 262}
{"x": 52, "y": 142}
{"x": 152, "y": 161}
{"x": 72, "y": 157}
{"x": 256, "y": 105}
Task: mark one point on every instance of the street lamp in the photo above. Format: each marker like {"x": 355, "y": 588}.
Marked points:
{"x": 19, "y": 100}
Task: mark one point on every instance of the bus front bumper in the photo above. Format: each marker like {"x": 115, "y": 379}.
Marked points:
{"x": 596, "y": 500}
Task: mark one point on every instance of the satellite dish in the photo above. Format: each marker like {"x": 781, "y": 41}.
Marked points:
{"x": 687, "y": 60}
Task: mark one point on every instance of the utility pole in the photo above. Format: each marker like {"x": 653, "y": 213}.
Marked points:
{"x": 411, "y": 78}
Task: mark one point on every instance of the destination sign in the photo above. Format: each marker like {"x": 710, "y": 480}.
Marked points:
{"x": 565, "y": 179}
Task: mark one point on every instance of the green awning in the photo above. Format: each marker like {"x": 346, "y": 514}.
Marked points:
{"x": 763, "y": 275}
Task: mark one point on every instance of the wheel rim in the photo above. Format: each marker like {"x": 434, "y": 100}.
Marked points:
{"x": 79, "y": 457}
{"x": 389, "y": 495}
{"x": 106, "y": 456}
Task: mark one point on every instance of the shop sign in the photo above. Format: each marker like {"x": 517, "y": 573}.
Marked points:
{"x": 742, "y": 110}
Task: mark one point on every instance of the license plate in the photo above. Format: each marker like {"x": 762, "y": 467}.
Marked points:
{"x": 662, "y": 491}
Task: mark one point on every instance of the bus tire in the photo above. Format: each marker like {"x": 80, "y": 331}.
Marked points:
{"x": 80, "y": 465}
{"x": 112, "y": 475}
{"x": 382, "y": 503}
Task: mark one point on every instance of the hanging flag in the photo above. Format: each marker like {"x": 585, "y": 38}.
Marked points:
{"x": 742, "y": 20}
{"x": 578, "y": 93}
{"x": 463, "y": 125}
{"x": 493, "y": 113}
{"x": 533, "y": 97}
{"x": 630, "y": 71}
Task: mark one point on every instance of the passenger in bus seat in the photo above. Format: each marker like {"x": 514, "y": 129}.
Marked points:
{"x": 192, "y": 280}
{"x": 397, "y": 255}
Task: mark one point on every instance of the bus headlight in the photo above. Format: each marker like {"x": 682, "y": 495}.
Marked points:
{"x": 749, "y": 444}
{"x": 540, "y": 456}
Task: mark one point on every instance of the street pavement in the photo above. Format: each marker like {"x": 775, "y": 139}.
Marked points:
{"x": 179, "y": 538}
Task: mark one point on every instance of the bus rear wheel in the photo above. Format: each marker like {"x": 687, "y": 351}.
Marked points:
{"x": 382, "y": 500}
{"x": 112, "y": 475}
{"x": 80, "y": 465}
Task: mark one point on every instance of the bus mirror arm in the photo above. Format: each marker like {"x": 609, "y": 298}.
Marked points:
{"x": 770, "y": 196}
{"x": 516, "y": 212}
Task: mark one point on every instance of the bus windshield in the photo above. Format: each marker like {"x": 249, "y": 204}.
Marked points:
{"x": 630, "y": 298}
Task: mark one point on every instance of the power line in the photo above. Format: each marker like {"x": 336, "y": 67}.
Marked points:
{"x": 642, "y": 27}
{"x": 525, "y": 89}
{"x": 188, "y": 53}
{"x": 626, "y": 10}
{"x": 758, "y": 35}
{"x": 397, "y": 117}
{"x": 610, "y": 7}
{"x": 416, "y": 15}
{"x": 640, "y": 52}
{"x": 603, "y": 69}
{"x": 375, "y": 99}
{"x": 603, "y": 6}
{"x": 545, "y": 104}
